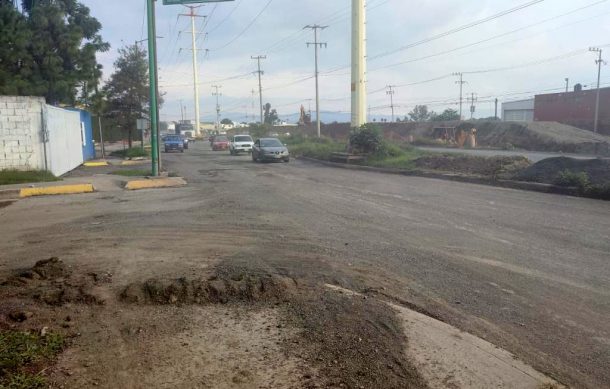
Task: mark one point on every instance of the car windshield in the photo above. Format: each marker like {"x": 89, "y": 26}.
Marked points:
{"x": 243, "y": 139}
{"x": 221, "y": 139}
{"x": 173, "y": 139}
{"x": 271, "y": 143}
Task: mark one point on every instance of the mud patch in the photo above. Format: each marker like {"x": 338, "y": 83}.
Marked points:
{"x": 4, "y": 204}
{"x": 52, "y": 282}
{"x": 218, "y": 289}
{"x": 354, "y": 341}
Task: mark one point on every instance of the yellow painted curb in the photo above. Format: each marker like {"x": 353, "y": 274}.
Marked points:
{"x": 155, "y": 183}
{"x": 56, "y": 190}
{"x": 96, "y": 164}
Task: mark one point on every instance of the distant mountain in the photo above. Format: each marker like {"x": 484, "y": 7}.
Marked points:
{"x": 327, "y": 117}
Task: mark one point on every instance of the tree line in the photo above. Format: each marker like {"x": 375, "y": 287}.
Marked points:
{"x": 49, "y": 48}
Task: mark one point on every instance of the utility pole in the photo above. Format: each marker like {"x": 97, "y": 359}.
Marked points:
{"x": 472, "y": 106}
{"x": 217, "y": 94}
{"x": 599, "y": 63}
{"x": 152, "y": 74}
{"x": 567, "y": 84}
{"x": 358, "y": 63}
{"x": 253, "y": 110}
{"x": 260, "y": 84}
{"x": 496, "y": 110}
{"x": 390, "y": 92}
{"x": 193, "y": 15}
{"x": 461, "y": 82}
{"x": 181, "y": 110}
{"x": 317, "y": 45}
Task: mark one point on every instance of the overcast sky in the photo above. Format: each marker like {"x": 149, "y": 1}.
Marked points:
{"x": 530, "y": 50}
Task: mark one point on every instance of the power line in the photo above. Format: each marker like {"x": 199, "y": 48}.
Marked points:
{"x": 260, "y": 84}
{"x": 226, "y": 17}
{"x": 246, "y": 28}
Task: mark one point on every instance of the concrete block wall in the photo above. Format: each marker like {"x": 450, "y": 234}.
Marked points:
{"x": 20, "y": 132}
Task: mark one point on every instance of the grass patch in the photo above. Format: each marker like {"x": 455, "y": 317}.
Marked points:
{"x": 134, "y": 152}
{"x": 397, "y": 157}
{"x": 132, "y": 173}
{"x": 319, "y": 148}
{"x": 19, "y": 350}
{"x": 11, "y": 176}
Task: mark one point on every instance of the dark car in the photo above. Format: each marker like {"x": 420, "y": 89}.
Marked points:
{"x": 173, "y": 143}
{"x": 270, "y": 149}
{"x": 220, "y": 142}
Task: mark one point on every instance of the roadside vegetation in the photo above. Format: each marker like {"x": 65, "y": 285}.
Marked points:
{"x": 134, "y": 152}
{"x": 23, "y": 356}
{"x": 11, "y": 176}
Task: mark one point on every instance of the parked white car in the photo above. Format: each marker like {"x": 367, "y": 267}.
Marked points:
{"x": 241, "y": 143}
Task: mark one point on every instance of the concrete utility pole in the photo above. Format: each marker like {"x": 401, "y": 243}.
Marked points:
{"x": 217, "y": 94}
{"x": 260, "y": 84}
{"x": 567, "y": 85}
{"x": 358, "y": 63}
{"x": 317, "y": 45}
{"x": 253, "y": 115}
{"x": 193, "y": 15}
{"x": 390, "y": 92}
{"x": 496, "y": 109}
{"x": 461, "y": 82}
{"x": 599, "y": 63}
{"x": 472, "y": 106}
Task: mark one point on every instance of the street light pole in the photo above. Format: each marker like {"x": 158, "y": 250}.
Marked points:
{"x": 152, "y": 74}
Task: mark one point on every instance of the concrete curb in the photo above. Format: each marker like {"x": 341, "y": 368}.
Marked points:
{"x": 134, "y": 163}
{"x": 520, "y": 185}
{"x": 56, "y": 190}
{"x": 170, "y": 182}
{"x": 9, "y": 194}
{"x": 95, "y": 163}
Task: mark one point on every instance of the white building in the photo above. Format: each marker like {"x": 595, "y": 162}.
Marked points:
{"x": 518, "y": 111}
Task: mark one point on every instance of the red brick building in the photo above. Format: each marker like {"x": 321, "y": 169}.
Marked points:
{"x": 574, "y": 108}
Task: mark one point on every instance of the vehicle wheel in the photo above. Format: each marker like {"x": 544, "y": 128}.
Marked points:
{"x": 254, "y": 159}
{"x": 182, "y": 151}
{"x": 286, "y": 160}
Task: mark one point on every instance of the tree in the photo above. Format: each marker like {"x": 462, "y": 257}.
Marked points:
{"x": 228, "y": 122}
{"x": 420, "y": 113}
{"x": 127, "y": 90}
{"x": 15, "y": 58}
{"x": 446, "y": 116}
{"x": 271, "y": 117}
{"x": 50, "y": 50}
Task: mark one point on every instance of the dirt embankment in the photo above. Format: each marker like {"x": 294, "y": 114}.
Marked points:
{"x": 341, "y": 341}
{"x": 547, "y": 171}
{"x": 534, "y": 136}
{"x": 492, "y": 167}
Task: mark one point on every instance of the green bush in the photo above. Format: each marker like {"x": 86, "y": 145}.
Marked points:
{"x": 601, "y": 192}
{"x": 569, "y": 178}
{"x": 367, "y": 139}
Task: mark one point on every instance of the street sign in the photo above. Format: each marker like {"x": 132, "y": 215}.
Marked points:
{"x": 178, "y": 2}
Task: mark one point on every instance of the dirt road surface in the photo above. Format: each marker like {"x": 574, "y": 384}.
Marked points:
{"x": 157, "y": 279}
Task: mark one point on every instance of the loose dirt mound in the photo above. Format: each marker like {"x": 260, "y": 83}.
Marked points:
{"x": 355, "y": 342}
{"x": 52, "y": 282}
{"x": 216, "y": 289}
{"x": 482, "y": 166}
{"x": 546, "y": 171}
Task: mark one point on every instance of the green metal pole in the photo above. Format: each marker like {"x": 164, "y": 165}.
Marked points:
{"x": 152, "y": 74}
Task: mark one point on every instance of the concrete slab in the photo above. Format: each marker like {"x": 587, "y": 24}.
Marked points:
{"x": 169, "y": 182}
{"x": 449, "y": 358}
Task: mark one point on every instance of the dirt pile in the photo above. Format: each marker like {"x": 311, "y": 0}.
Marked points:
{"x": 464, "y": 164}
{"x": 52, "y": 282}
{"x": 546, "y": 171}
{"x": 355, "y": 342}
{"x": 214, "y": 290}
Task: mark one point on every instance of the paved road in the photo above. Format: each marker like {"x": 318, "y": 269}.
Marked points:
{"x": 534, "y": 156}
{"x": 527, "y": 271}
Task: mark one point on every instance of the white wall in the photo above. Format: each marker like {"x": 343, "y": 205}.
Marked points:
{"x": 65, "y": 146}
{"x": 20, "y": 132}
{"x": 22, "y": 143}
{"x": 518, "y": 111}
